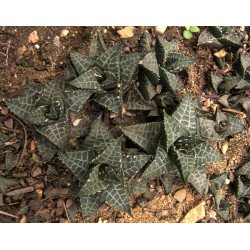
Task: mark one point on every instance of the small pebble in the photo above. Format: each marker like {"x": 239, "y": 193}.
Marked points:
{"x": 37, "y": 46}
{"x": 64, "y": 33}
{"x": 24, "y": 219}
{"x": 57, "y": 41}
{"x": 126, "y": 32}
{"x": 33, "y": 37}
{"x": 224, "y": 148}
{"x": 180, "y": 195}
{"x": 160, "y": 29}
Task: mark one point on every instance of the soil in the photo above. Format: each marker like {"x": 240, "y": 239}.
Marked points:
{"x": 51, "y": 194}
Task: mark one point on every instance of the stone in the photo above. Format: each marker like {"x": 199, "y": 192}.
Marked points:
{"x": 64, "y": 33}
{"x": 195, "y": 214}
{"x": 224, "y": 148}
{"x": 189, "y": 197}
{"x": 180, "y": 195}
{"x": 126, "y": 32}
{"x": 160, "y": 29}
{"x": 33, "y": 37}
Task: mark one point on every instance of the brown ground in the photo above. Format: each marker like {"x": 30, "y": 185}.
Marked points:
{"x": 54, "y": 187}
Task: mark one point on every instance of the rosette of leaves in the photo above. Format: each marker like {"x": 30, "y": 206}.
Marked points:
{"x": 132, "y": 133}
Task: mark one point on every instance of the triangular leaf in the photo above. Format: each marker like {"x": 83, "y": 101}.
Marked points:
{"x": 186, "y": 115}
{"x": 198, "y": 179}
{"x": 89, "y": 204}
{"x": 75, "y": 99}
{"x": 163, "y": 48}
{"x": 134, "y": 163}
{"x": 146, "y": 41}
{"x": 117, "y": 195}
{"x": 170, "y": 80}
{"x": 93, "y": 184}
{"x": 178, "y": 62}
{"x": 111, "y": 155}
{"x": 57, "y": 133}
{"x": 87, "y": 81}
{"x": 173, "y": 130}
{"x": 97, "y": 45}
{"x": 110, "y": 60}
{"x": 111, "y": 101}
{"x": 129, "y": 65}
{"x": 205, "y": 154}
{"x": 159, "y": 166}
{"x": 47, "y": 150}
{"x": 150, "y": 65}
{"x": 138, "y": 187}
{"x": 77, "y": 162}
{"x": 82, "y": 63}
{"x": 145, "y": 135}
{"x": 207, "y": 39}
{"x": 136, "y": 101}
{"x": 98, "y": 137}
{"x": 244, "y": 170}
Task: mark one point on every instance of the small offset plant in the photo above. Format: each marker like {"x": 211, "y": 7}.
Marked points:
{"x": 189, "y": 30}
{"x": 122, "y": 111}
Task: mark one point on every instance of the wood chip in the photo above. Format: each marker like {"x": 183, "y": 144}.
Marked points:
{"x": 21, "y": 50}
{"x": 126, "y": 32}
{"x": 160, "y": 29}
{"x": 33, "y": 37}
{"x": 24, "y": 219}
{"x": 20, "y": 191}
{"x": 8, "y": 123}
{"x": 221, "y": 53}
{"x": 33, "y": 145}
{"x": 57, "y": 192}
{"x": 195, "y": 214}
{"x": 180, "y": 195}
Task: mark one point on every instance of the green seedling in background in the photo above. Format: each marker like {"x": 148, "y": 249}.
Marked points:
{"x": 187, "y": 33}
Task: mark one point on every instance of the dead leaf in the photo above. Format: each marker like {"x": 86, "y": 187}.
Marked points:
{"x": 33, "y": 37}
{"x": 221, "y": 53}
{"x": 195, "y": 214}
{"x": 127, "y": 32}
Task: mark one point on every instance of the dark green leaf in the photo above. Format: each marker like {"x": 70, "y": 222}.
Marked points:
{"x": 198, "y": 179}
{"x": 11, "y": 160}
{"x": 145, "y": 42}
{"x": 216, "y": 80}
{"x": 178, "y": 62}
{"x": 207, "y": 39}
{"x": 82, "y": 63}
{"x": 243, "y": 189}
{"x": 93, "y": 184}
{"x": 87, "y": 81}
{"x": 136, "y": 101}
{"x": 98, "y": 137}
{"x": 97, "y": 45}
{"x": 244, "y": 170}
{"x": 75, "y": 99}
{"x": 185, "y": 114}
{"x": 173, "y": 130}
{"x": 163, "y": 48}
{"x": 129, "y": 65}
{"x": 138, "y": 187}
{"x": 3, "y": 138}
{"x": 47, "y": 150}
{"x": 159, "y": 166}
{"x": 77, "y": 162}
{"x": 170, "y": 80}
{"x": 110, "y": 60}
{"x": 89, "y": 204}
{"x": 145, "y": 135}
{"x": 117, "y": 195}
{"x": 111, "y": 101}
{"x": 57, "y": 133}
{"x": 150, "y": 65}
{"x": 111, "y": 155}
{"x": 134, "y": 163}
{"x": 205, "y": 154}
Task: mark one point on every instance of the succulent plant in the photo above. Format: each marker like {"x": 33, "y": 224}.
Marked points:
{"x": 123, "y": 111}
